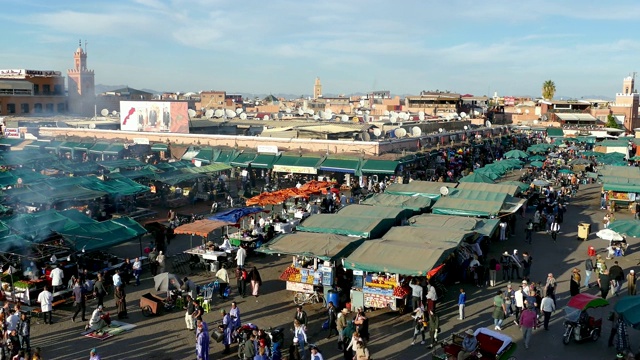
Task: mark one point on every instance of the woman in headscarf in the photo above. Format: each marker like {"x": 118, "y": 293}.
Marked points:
{"x": 574, "y": 287}
{"x": 202, "y": 341}
{"x": 121, "y": 302}
{"x": 256, "y": 281}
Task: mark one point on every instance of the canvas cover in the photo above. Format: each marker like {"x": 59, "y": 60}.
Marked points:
{"x": 366, "y": 227}
{"x": 328, "y": 247}
{"x": 358, "y": 210}
{"x": 418, "y": 204}
{"x": 430, "y": 189}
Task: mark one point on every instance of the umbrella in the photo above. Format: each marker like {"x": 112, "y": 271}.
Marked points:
{"x": 476, "y": 178}
{"x": 537, "y": 164}
{"x": 565, "y": 171}
{"x": 610, "y": 235}
{"x": 516, "y": 154}
{"x": 166, "y": 282}
{"x": 580, "y": 162}
{"x": 537, "y": 158}
{"x": 626, "y": 227}
{"x": 540, "y": 182}
{"x": 491, "y": 174}
{"x": 629, "y": 309}
{"x": 233, "y": 216}
{"x": 562, "y": 145}
{"x": 572, "y": 148}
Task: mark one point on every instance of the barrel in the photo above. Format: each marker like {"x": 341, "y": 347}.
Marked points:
{"x": 333, "y": 296}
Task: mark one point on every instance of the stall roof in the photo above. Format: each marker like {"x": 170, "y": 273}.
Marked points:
{"x": 512, "y": 190}
{"x": 466, "y": 207}
{"x": 264, "y": 161}
{"x": 374, "y": 211}
{"x": 119, "y": 164}
{"x": 435, "y": 239}
{"x": 341, "y": 165}
{"x": 243, "y": 159}
{"x": 9, "y": 142}
{"x": 200, "y": 227}
{"x": 429, "y": 189}
{"x": 346, "y": 225}
{"x": 83, "y": 146}
{"x": 620, "y": 171}
{"x": 209, "y": 169}
{"x": 627, "y": 188}
{"x": 99, "y": 148}
{"x": 328, "y": 247}
{"x": 290, "y": 163}
{"x": 103, "y": 235}
{"x": 481, "y": 226}
{"x": 157, "y": 147}
{"x": 114, "y": 149}
{"x": 555, "y": 132}
{"x": 205, "y": 154}
{"x": 225, "y": 156}
{"x": 385, "y": 167}
{"x": 416, "y": 203}
{"x": 398, "y": 257}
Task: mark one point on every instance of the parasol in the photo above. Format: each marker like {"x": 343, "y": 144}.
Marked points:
{"x": 516, "y": 154}
{"x": 167, "y": 282}
{"x": 540, "y": 182}
{"x": 537, "y": 164}
{"x": 609, "y": 235}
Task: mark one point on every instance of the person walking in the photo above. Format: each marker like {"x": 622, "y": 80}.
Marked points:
{"x": 241, "y": 256}
{"x": 499, "y": 310}
{"x": 518, "y": 297}
{"x": 256, "y": 282}
{"x": 241, "y": 281}
{"x": 493, "y": 264}
{"x": 631, "y": 283}
{"x": 416, "y": 294}
{"x": 45, "y": 298}
{"x": 574, "y": 286}
{"x": 153, "y": 262}
{"x": 222, "y": 277}
{"x": 505, "y": 264}
{"x": 605, "y": 284}
{"x": 332, "y": 316}
{"x": 341, "y": 324}
{"x": 227, "y": 330}
{"x": 434, "y": 329}
{"x": 24, "y": 332}
{"x": 547, "y": 306}
{"x": 555, "y": 229}
{"x": 509, "y": 300}
{"x": 300, "y": 337}
{"x": 121, "y": 302}
{"x": 161, "y": 262}
{"x": 526, "y": 265}
{"x": 419, "y": 321}
{"x": 528, "y": 323}
{"x": 301, "y": 316}
{"x": 462, "y": 300}
{"x": 528, "y": 232}
{"x": 588, "y": 271}
{"x": 503, "y": 229}
{"x": 188, "y": 315}
{"x": 137, "y": 270}
{"x": 79, "y": 301}
{"x": 601, "y": 267}
{"x": 550, "y": 287}
{"x": 202, "y": 341}
{"x": 616, "y": 275}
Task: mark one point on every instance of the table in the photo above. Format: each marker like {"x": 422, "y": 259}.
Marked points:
{"x": 208, "y": 254}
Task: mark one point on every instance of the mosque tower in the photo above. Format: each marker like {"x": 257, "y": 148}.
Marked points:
{"x": 81, "y": 85}
{"x": 317, "y": 89}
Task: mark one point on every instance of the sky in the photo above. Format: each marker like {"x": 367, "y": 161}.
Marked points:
{"x": 354, "y": 46}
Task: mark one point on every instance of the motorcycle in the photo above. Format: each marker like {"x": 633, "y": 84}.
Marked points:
{"x": 579, "y": 325}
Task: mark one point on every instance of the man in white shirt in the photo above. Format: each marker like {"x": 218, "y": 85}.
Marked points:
{"x": 117, "y": 280}
{"x": 547, "y": 306}
{"x": 261, "y": 222}
{"x": 56, "y": 275}
{"x": 137, "y": 270}
{"x": 241, "y": 255}
{"x": 46, "y": 304}
{"x": 519, "y": 297}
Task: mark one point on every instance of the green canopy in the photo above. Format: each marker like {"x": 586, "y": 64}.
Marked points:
{"x": 515, "y": 154}
{"x": 37, "y": 226}
{"x": 626, "y": 227}
{"x": 52, "y": 145}
{"x": 297, "y": 164}
{"x": 264, "y": 161}
{"x": 205, "y": 154}
{"x": 417, "y": 204}
{"x": 340, "y": 165}
{"x": 118, "y": 187}
{"x": 121, "y": 164}
{"x": 209, "y": 169}
{"x": 99, "y": 148}
{"x": 522, "y": 186}
{"x": 491, "y": 174}
{"x": 555, "y": 132}
{"x": 159, "y": 147}
{"x": 397, "y": 257}
{"x": 537, "y": 158}
{"x": 77, "y": 217}
{"x": 430, "y": 189}
{"x": 476, "y": 178}
{"x": 538, "y": 164}
{"x": 327, "y": 247}
{"x": 387, "y": 167}
{"x": 103, "y": 235}
{"x": 243, "y": 159}
{"x": 9, "y": 142}
{"x": 444, "y": 238}
{"x": 503, "y": 187}
{"x": 83, "y": 146}
{"x": 357, "y": 210}
{"x": 431, "y": 221}
{"x": 225, "y": 156}
{"x": 38, "y": 144}
{"x": 136, "y": 174}
{"x": 366, "y": 227}
{"x": 114, "y": 149}
{"x": 68, "y": 145}
{"x": 625, "y": 188}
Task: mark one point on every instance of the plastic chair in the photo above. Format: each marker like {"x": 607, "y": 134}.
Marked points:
{"x": 200, "y": 300}
{"x": 180, "y": 302}
{"x": 206, "y": 306}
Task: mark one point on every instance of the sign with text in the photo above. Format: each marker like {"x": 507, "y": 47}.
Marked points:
{"x": 269, "y": 149}
{"x": 299, "y": 287}
{"x": 13, "y": 133}
{"x": 379, "y": 301}
{"x": 295, "y": 169}
{"x": 154, "y": 116}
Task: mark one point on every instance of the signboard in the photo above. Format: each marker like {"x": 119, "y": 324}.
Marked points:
{"x": 295, "y": 169}
{"x": 269, "y": 149}
{"x": 22, "y": 73}
{"x": 509, "y": 101}
{"x": 141, "y": 141}
{"x": 12, "y": 133}
{"x": 379, "y": 301}
{"x": 299, "y": 287}
{"x": 154, "y": 116}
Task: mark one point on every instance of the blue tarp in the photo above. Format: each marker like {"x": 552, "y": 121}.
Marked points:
{"x": 233, "y": 216}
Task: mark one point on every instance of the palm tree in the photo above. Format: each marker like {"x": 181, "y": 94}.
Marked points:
{"x": 548, "y": 89}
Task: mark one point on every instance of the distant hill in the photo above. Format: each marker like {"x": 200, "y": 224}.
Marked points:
{"x": 100, "y": 88}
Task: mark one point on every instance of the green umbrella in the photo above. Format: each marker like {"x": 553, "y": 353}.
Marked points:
{"x": 537, "y": 158}
{"x": 629, "y": 309}
{"x": 491, "y": 174}
{"x": 537, "y": 163}
{"x": 476, "y": 178}
{"x": 565, "y": 171}
{"x": 580, "y": 162}
{"x": 592, "y": 153}
{"x": 516, "y": 154}
{"x": 626, "y": 227}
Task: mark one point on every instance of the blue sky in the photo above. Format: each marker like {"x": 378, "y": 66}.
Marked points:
{"x": 280, "y": 46}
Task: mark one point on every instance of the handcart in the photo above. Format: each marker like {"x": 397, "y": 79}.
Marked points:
{"x": 491, "y": 345}
{"x": 154, "y": 305}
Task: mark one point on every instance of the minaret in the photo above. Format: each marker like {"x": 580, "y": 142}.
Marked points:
{"x": 81, "y": 85}
{"x": 317, "y": 89}
{"x": 627, "y": 85}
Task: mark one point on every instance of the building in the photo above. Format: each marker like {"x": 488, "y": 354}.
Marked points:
{"x": 434, "y": 103}
{"x": 567, "y": 112}
{"x": 81, "y": 86}
{"x": 317, "y": 89}
{"x": 26, "y": 92}
{"x": 110, "y": 100}
{"x": 625, "y": 108}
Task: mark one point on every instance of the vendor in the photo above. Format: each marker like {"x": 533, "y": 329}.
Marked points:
{"x": 226, "y": 244}
{"x": 469, "y": 345}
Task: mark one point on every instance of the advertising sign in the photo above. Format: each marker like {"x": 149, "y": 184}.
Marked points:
{"x": 295, "y": 169}
{"x": 509, "y": 100}
{"x": 379, "y": 301}
{"x": 12, "y": 133}
{"x": 299, "y": 287}
{"x": 154, "y": 116}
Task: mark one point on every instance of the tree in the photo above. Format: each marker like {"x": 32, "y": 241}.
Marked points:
{"x": 548, "y": 90}
{"x": 611, "y": 122}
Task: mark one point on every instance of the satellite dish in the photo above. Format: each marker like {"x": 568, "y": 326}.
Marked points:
{"x": 239, "y": 111}
{"x": 535, "y": 122}
{"x": 403, "y": 115}
{"x": 488, "y": 123}
{"x": 386, "y": 113}
{"x": 421, "y": 115}
{"x": 392, "y": 113}
{"x": 316, "y": 117}
{"x": 114, "y": 113}
{"x": 441, "y": 130}
{"x": 92, "y": 126}
{"x": 218, "y": 113}
{"x": 208, "y": 114}
{"x": 321, "y": 114}
{"x": 265, "y": 118}
{"x": 287, "y": 110}
{"x": 463, "y": 114}
{"x": 416, "y": 131}
{"x": 367, "y": 112}
{"x": 344, "y": 118}
{"x": 526, "y": 111}
{"x": 398, "y": 132}
{"x": 365, "y": 136}
{"x": 519, "y": 111}
{"x": 191, "y": 112}
{"x": 280, "y": 115}
{"x": 544, "y": 118}
{"x": 476, "y": 113}
{"x": 377, "y": 132}
{"x": 466, "y": 127}
{"x": 243, "y": 116}
{"x": 230, "y": 113}
{"x": 444, "y": 191}
{"x": 300, "y": 112}
{"x": 104, "y": 112}
{"x": 328, "y": 115}
{"x": 393, "y": 119}
{"x": 275, "y": 116}
{"x": 359, "y": 112}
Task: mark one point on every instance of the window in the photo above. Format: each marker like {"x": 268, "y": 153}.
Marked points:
{"x": 49, "y": 108}
{"x": 46, "y": 89}
{"x": 36, "y": 89}
{"x": 24, "y": 108}
{"x": 61, "y": 107}
{"x": 57, "y": 89}
{"x": 11, "y": 108}
{"x": 37, "y": 108}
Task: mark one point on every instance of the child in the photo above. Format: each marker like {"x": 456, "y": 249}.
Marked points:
{"x": 462, "y": 299}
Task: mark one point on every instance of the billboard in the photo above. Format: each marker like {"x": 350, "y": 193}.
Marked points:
{"x": 154, "y": 116}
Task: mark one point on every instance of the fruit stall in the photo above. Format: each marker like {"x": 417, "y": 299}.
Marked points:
{"x": 384, "y": 291}
{"x": 303, "y": 279}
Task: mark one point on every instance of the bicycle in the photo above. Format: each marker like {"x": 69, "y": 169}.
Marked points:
{"x": 301, "y": 298}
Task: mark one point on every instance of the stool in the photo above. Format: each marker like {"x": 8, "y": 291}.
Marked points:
{"x": 206, "y": 306}
{"x": 180, "y": 302}
{"x": 200, "y": 300}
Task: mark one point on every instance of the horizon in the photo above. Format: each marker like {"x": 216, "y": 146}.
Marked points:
{"x": 280, "y": 47}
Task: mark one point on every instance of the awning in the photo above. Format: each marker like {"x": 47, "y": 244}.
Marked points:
{"x": 225, "y": 156}
{"x": 36, "y": 144}
{"x": 555, "y": 132}
{"x": 349, "y": 166}
{"x": 624, "y": 188}
{"x": 159, "y": 147}
{"x": 387, "y": 167}
{"x": 99, "y": 148}
{"x": 205, "y": 155}
{"x": 200, "y": 227}
{"x": 297, "y": 164}
{"x": 83, "y": 146}
{"x": 327, "y": 247}
{"x": 190, "y": 154}
{"x": 264, "y": 161}
{"x": 52, "y": 145}
{"x": 114, "y": 149}
{"x": 9, "y": 142}
{"x": 243, "y": 159}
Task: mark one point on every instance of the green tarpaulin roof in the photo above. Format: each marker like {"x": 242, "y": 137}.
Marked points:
{"x": 627, "y": 188}
{"x": 372, "y": 166}
{"x": 177, "y": 176}
{"x": 614, "y": 143}
{"x": 416, "y": 203}
{"x": 83, "y": 146}
{"x": 119, "y": 164}
{"x": 53, "y": 145}
{"x": 429, "y": 189}
{"x": 205, "y": 154}
{"x": 37, "y": 226}
{"x": 103, "y": 235}
{"x": 481, "y": 226}
{"x": 118, "y": 187}
{"x": 136, "y": 174}
{"x": 476, "y": 177}
{"x": 327, "y": 247}
{"x": 243, "y": 159}
{"x": 350, "y": 166}
{"x": 366, "y": 227}
{"x": 10, "y": 141}
{"x": 37, "y": 144}
{"x": 619, "y": 171}
{"x": 555, "y": 132}
{"x": 264, "y": 161}
{"x": 225, "y": 156}
{"x": 509, "y": 189}
{"x": 379, "y": 212}
{"x": 396, "y": 257}
{"x": 25, "y": 157}
{"x": 209, "y": 169}
{"x": 99, "y": 148}
{"x": 444, "y": 238}
{"x": 78, "y": 217}
{"x": 114, "y": 149}
{"x": 466, "y": 207}
{"x": 68, "y": 145}
{"x": 159, "y": 147}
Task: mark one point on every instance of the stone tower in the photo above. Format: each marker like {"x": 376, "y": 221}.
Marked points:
{"x": 627, "y": 85}
{"x": 317, "y": 89}
{"x": 81, "y": 85}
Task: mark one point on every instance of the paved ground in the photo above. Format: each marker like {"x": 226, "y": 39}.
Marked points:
{"x": 165, "y": 337}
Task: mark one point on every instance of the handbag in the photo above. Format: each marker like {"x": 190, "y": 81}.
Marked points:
{"x": 325, "y": 325}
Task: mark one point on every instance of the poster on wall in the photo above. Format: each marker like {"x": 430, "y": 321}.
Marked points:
{"x": 154, "y": 116}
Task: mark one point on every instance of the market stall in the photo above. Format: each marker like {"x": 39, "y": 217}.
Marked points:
{"x": 417, "y": 204}
{"x": 430, "y": 189}
{"x": 374, "y": 211}
{"x": 316, "y": 259}
{"x": 367, "y": 227}
{"x": 208, "y": 254}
